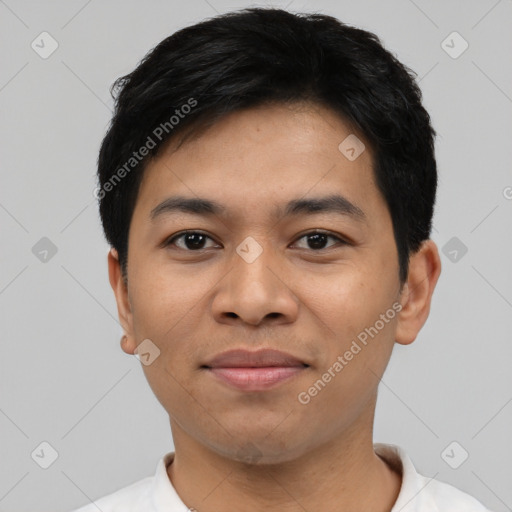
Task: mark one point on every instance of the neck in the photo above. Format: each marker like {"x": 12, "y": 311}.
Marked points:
{"x": 341, "y": 475}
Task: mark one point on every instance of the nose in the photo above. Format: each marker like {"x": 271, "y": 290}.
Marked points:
{"x": 257, "y": 289}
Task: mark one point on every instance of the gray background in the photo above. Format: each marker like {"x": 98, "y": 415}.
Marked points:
{"x": 63, "y": 376}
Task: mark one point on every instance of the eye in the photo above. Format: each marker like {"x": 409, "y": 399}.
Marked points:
{"x": 195, "y": 240}
{"x": 318, "y": 239}
{"x": 191, "y": 240}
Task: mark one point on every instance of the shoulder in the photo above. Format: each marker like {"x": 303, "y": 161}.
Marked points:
{"x": 448, "y": 498}
{"x": 133, "y": 497}
{"x": 419, "y": 493}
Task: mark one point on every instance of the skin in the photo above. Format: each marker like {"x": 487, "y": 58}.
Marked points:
{"x": 236, "y": 450}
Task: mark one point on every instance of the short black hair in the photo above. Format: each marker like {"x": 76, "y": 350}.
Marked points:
{"x": 259, "y": 56}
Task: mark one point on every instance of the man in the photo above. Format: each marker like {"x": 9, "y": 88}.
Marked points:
{"x": 267, "y": 186}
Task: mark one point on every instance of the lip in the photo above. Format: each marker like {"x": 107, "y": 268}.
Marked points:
{"x": 240, "y": 358}
{"x": 254, "y": 370}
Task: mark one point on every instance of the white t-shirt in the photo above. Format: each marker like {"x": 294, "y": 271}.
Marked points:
{"x": 417, "y": 493}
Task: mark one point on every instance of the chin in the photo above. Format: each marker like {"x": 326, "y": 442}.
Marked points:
{"x": 261, "y": 450}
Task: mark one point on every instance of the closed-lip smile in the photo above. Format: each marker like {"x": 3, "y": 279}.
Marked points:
{"x": 254, "y": 370}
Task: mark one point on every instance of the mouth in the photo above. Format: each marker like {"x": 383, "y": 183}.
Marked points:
{"x": 254, "y": 371}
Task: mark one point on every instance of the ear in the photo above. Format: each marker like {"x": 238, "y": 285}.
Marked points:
{"x": 123, "y": 304}
{"x": 424, "y": 271}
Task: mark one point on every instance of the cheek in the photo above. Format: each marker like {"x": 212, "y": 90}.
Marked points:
{"x": 348, "y": 308}
{"x": 343, "y": 300}
{"x": 168, "y": 308}
{"x": 162, "y": 297}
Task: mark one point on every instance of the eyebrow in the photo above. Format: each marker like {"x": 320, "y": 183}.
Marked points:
{"x": 206, "y": 207}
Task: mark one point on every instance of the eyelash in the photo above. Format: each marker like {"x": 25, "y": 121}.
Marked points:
{"x": 172, "y": 239}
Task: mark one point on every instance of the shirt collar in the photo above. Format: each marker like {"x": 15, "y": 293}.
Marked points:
{"x": 164, "y": 495}
{"x": 412, "y": 497}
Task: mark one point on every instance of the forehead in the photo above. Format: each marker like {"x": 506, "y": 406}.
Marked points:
{"x": 263, "y": 158}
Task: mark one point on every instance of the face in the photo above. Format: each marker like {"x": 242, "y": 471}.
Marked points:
{"x": 267, "y": 263}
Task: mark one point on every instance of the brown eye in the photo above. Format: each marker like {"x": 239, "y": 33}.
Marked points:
{"x": 191, "y": 240}
{"x": 317, "y": 240}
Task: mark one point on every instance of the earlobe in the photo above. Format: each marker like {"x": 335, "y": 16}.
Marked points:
{"x": 416, "y": 296}
{"x": 127, "y": 344}
{"x": 123, "y": 304}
